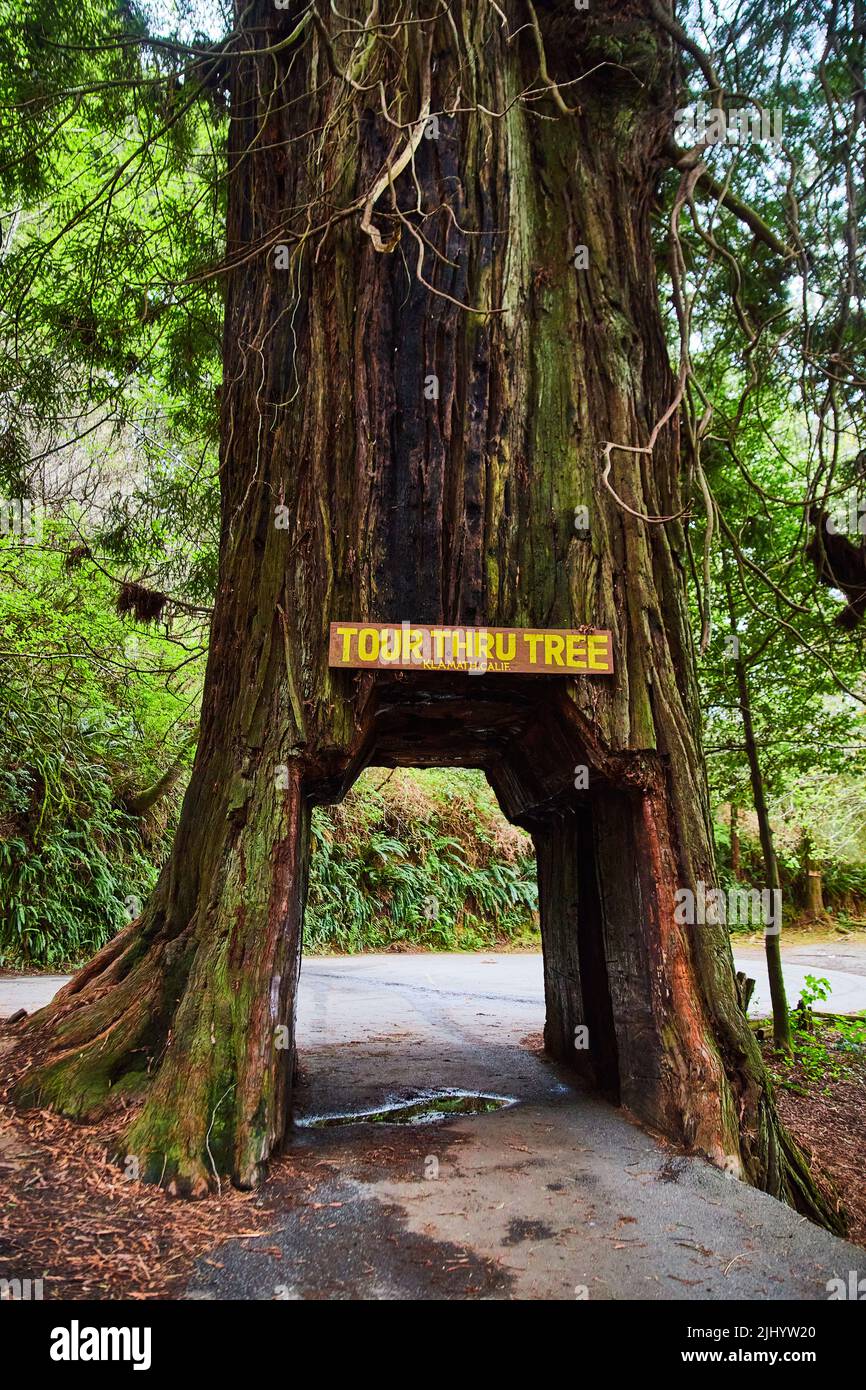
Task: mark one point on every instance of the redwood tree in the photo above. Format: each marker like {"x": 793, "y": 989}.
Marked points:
{"x": 442, "y": 340}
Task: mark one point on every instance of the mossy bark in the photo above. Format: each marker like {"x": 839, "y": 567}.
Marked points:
{"x": 418, "y": 390}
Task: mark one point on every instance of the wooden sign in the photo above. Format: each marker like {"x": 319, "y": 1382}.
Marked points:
{"x": 478, "y": 650}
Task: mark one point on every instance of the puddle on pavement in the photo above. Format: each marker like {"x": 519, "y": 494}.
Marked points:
{"x": 420, "y": 1110}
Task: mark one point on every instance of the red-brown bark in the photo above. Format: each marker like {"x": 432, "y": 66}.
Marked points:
{"x": 350, "y": 489}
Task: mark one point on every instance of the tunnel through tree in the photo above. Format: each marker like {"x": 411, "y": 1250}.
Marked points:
{"x": 423, "y": 382}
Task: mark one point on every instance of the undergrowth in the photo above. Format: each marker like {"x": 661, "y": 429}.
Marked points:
{"x": 419, "y": 860}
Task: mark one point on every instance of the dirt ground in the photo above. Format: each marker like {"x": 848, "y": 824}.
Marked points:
{"x": 828, "y": 1120}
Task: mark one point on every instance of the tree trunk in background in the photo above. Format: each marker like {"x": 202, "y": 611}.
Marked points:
{"x": 140, "y": 803}
{"x": 812, "y": 875}
{"x": 735, "y": 840}
{"x": 772, "y": 939}
{"x": 815, "y": 894}
{"x": 415, "y": 403}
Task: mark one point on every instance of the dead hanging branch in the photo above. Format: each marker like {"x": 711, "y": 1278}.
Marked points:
{"x": 839, "y": 563}
{"x": 76, "y": 557}
{"x": 145, "y": 604}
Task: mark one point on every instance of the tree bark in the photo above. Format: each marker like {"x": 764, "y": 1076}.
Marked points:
{"x": 812, "y": 876}
{"x": 772, "y": 948}
{"x": 139, "y": 803}
{"x": 815, "y": 894}
{"x": 418, "y": 392}
{"x": 735, "y": 841}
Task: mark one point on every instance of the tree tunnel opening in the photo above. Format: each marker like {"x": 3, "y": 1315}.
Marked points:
{"x": 593, "y": 963}
{"x": 203, "y": 987}
{"x": 509, "y": 731}
{"x": 421, "y": 991}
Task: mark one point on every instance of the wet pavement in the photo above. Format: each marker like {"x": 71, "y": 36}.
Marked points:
{"x": 559, "y": 1196}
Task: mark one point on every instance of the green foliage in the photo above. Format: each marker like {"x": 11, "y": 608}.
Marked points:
{"x": 77, "y": 876}
{"x": 776, "y": 431}
{"x": 823, "y": 1046}
{"x": 842, "y": 866}
{"x": 113, "y": 127}
{"x": 419, "y": 860}
{"x": 844, "y": 883}
{"x": 814, "y": 990}
{"x": 81, "y": 709}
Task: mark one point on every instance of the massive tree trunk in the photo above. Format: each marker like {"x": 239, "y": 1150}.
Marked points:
{"x": 421, "y": 375}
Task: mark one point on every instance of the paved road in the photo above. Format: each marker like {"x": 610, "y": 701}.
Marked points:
{"x": 842, "y": 962}
{"x": 557, "y": 1197}
{"x": 516, "y": 981}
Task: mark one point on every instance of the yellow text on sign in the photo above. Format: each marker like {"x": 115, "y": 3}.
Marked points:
{"x": 409, "y": 646}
